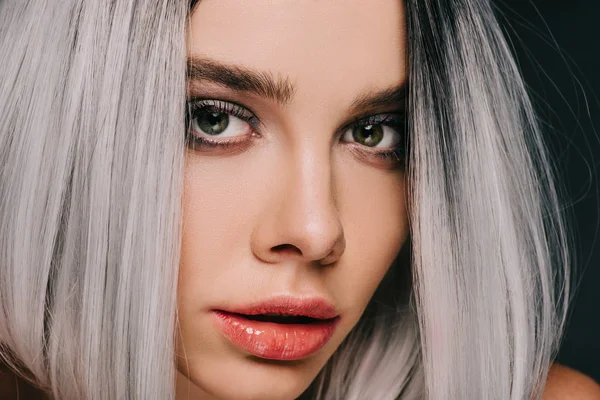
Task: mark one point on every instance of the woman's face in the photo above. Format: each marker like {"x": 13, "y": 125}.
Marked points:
{"x": 294, "y": 186}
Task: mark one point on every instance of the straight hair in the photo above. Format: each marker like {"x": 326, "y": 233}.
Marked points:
{"x": 92, "y": 106}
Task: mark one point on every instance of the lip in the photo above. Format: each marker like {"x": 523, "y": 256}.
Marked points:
{"x": 279, "y": 341}
{"x": 313, "y": 307}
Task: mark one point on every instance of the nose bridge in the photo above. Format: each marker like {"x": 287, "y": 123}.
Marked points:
{"x": 311, "y": 205}
{"x": 305, "y": 221}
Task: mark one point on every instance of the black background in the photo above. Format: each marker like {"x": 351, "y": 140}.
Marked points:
{"x": 557, "y": 45}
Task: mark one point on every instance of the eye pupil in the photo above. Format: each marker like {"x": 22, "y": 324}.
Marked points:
{"x": 368, "y": 135}
{"x": 212, "y": 123}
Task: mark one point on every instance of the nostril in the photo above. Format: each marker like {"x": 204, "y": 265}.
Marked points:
{"x": 286, "y": 248}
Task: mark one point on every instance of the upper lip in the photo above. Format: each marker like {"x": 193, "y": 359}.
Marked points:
{"x": 313, "y": 307}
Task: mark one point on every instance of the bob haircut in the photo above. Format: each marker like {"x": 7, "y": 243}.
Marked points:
{"x": 91, "y": 180}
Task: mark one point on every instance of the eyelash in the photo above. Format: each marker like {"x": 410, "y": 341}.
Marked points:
{"x": 394, "y": 120}
{"x": 217, "y": 106}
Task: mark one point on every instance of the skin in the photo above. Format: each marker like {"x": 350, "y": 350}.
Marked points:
{"x": 298, "y": 210}
{"x": 565, "y": 383}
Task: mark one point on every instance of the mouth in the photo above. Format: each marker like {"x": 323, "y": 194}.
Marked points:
{"x": 279, "y": 329}
{"x": 282, "y": 319}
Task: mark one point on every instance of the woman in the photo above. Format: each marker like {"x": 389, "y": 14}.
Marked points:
{"x": 359, "y": 205}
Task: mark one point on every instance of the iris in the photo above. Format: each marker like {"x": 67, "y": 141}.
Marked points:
{"x": 212, "y": 123}
{"x": 368, "y": 135}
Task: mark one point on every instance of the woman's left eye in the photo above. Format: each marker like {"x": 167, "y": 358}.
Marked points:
{"x": 384, "y": 131}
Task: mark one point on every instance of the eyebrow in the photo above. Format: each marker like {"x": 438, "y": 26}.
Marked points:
{"x": 281, "y": 89}
{"x": 375, "y": 99}
{"x": 242, "y": 79}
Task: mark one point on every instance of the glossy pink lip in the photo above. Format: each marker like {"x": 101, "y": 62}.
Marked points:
{"x": 309, "y": 307}
{"x": 279, "y": 341}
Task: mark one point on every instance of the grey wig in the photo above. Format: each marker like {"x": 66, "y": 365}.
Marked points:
{"x": 92, "y": 105}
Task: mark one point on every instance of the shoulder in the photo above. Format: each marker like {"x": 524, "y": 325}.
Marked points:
{"x": 565, "y": 383}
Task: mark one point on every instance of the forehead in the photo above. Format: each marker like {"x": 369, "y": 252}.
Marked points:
{"x": 321, "y": 45}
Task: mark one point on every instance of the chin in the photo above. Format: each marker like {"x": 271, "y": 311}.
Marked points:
{"x": 249, "y": 378}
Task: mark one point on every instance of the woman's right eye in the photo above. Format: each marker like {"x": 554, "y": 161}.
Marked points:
{"x": 215, "y": 122}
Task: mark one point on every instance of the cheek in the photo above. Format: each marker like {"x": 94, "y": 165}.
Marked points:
{"x": 216, "y": 225}
{"x": 219, "y": 202}
{"x": 373, "y": 208}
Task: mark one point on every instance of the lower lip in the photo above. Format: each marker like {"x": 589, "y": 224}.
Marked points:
{"x": 272, "y": 340}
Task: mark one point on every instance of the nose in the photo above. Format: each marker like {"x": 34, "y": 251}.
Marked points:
{"x": 301, "y": 221}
